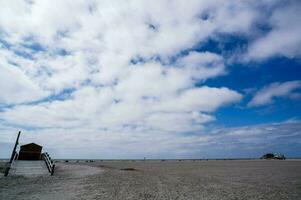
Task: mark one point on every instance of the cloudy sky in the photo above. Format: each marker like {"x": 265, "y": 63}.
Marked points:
{"x": 155, "y": 79}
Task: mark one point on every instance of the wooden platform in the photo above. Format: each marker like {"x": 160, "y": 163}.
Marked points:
{"x": 28, "y": 168}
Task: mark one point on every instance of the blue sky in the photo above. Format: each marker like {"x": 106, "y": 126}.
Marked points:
{"x": 205, "y": 79}
{"x": 254, "y": 76}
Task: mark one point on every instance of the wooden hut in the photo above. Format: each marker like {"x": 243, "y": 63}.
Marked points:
{"x": 30, "y": 151}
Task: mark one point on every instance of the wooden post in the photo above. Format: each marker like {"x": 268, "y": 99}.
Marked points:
{"x": 12, "y": 155}
{"x": 7, "y": 169}
{"x": 15, "y": 147}
{"x": 52, "y": 170}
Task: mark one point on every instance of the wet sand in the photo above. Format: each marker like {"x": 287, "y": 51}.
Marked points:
{"x": 237, "y": 179}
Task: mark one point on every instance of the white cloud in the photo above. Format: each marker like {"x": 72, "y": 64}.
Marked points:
{"x": 15, "y": 87}
{"x": 202, "y": 65}
{"x": 205, "y": 99}
{"x": 284, "y": 38}
{"x": 97, "y": 108}
{"x": 274, "y": 90}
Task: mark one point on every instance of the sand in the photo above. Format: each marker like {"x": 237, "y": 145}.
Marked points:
{"x": 253, "y": 179}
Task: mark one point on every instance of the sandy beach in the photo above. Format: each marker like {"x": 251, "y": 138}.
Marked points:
{"x": 236, "y": 179}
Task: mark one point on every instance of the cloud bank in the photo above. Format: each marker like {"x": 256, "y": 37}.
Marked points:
{"x": 219, "y": 142}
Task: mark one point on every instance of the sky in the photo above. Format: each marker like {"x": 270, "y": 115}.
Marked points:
{"x": 156, "y": 79}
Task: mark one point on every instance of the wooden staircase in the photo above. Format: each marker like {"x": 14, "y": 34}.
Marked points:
{"x": 28, "y": 168}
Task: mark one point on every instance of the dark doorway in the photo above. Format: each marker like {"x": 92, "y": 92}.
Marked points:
{"x": 30, "y": 151}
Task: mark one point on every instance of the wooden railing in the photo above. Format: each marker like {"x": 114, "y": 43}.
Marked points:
{"x": 49, "y": 162}
{"x": 15, "y": 157}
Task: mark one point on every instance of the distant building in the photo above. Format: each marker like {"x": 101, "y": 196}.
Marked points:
{"x": 30, "y": 151}
{"x": 273, "y": 156}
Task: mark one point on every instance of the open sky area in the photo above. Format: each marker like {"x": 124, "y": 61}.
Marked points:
{"x": 156, "y": 79}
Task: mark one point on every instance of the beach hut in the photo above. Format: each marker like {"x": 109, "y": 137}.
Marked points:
{"x": 30, "y": 151}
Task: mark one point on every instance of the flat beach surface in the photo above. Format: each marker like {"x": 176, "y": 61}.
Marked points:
{"x": 222, "y": 179}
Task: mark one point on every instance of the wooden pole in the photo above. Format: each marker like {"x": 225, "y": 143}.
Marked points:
{"x": 52, "y": 170}
{"x": 15, "y": 147}
{"x": 12, "y": 155}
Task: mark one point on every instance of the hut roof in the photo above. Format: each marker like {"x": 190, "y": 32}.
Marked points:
{"x": 31, "y": 144}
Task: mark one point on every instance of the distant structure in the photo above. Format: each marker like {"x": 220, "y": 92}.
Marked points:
{"x": 29, "y": 160}
{"x": 276, "y": 156}
{"x": 30, "y": 151}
